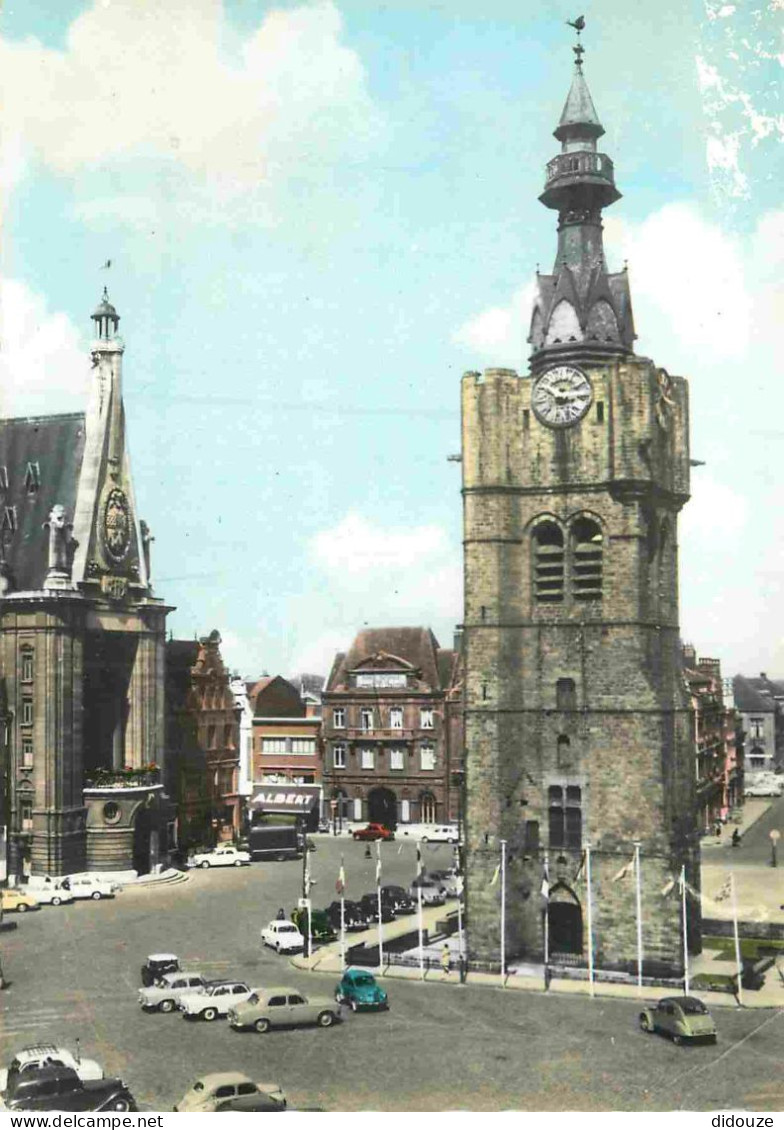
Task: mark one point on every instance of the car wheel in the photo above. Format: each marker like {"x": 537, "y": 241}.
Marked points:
{"x": 280, "y": 858}
{"x": 120, "y": 1103}
{"x": 22, "y": 908}
{"x": 204, "y": 863}
{"x": 262, "y": 1024}
{"x": 326, "y": 1019}
{"x": 676, "y": 1039}
{"x": 209, "y": 1014}
{"x": 338, "y": 997}
{"x": 166, "y": 1006}
{"x": 277, "y": 947}
{"x": 353, "y": 1005}
{"x": 95, "y": 895}
{"x": 355, "y": 836}
{"x": 425, "y": 840}
{"x": 645, "y": 1022}
{"x": 56, "y": 902}
{"x": 237, "y": 863}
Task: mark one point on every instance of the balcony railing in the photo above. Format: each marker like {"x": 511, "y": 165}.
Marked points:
{"x": 145, "y": 776}
{"x": 581, "y": 163}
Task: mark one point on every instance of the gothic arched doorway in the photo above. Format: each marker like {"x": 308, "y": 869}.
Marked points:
{"x": 564, "y": 921}
{"x": 382, "y": 808}
{"x": 427, "y": 808}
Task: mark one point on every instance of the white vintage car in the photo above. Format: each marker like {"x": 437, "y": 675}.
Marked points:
{"x": 227, "y": 856}
{"x": 283, "y": 936}
{"x": 89, "y": 887}
{"x": 35, "y": 1056}
{"x": 165, "y": 994}
{"x": 52, "y": 896}
{"x": 213, "y": 1001}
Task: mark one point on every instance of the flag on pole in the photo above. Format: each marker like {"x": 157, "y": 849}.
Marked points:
{"x": 668, "y": 887}
{"x": 625, "y": 870}
{"x": 545, "y": 889}
{"x": 378, "y": 863}
{"x": 579, "y": 870}
{"x": 724, "y": 891}
{"x": 496, "y": 874}
{"x": 340, "y": 884}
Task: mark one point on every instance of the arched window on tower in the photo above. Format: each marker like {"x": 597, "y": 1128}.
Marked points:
{"x": 548, "y": 563}
{"x": 586, "y": 543}
{"x": 565, "y": 695}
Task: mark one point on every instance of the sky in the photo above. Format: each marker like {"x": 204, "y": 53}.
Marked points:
{"x": 319, "y": 215}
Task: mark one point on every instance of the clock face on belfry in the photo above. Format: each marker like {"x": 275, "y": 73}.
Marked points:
{"x": 561, "y": 396}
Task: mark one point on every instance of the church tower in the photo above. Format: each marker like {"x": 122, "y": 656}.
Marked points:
{"x": 579, "y": 744}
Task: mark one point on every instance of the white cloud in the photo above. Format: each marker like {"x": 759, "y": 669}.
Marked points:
{"x": 141, "y": 82}
{"x": 356, "y": 546}
{"x": 43, "y": 363}
{"x": 499, "y": 333}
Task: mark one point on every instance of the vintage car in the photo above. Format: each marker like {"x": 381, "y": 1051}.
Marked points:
{"x": 231, "y": 1090}
{"x": 359, "y": 989}
{"x": 165, "y": 994}
{"x": 282, "y": 936}
{"x": 321, "y": 930}
{"x": 369, "y": 907}
{"x": 20, "y": 901}
{"x": 90, "y": 887}
{"x": 433, "y": 892}
{"x": 52, "y": 896}
{"x": 214, "y": 1000}
{"x": 398, "y": 899}
{"x": 681, "y": 1018}
{"x": 373, "y": 832}
{"x": 226, "y": 856}
{"x": 282, "y": 1008}
{"x": 157, "y": 964}
{"x": 353, "y": 918}
{"x": 35, "y": 1056}
{"x": 450, "y": 881}
{"x": 60, "y": 1088}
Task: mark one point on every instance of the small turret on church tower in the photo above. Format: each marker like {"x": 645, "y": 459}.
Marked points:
{"x": 578, "y": 735}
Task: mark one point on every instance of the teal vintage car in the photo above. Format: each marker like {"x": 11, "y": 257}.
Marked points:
{"x": 358, "y": 989}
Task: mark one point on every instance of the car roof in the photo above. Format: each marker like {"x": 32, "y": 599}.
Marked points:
{"x": 162, "y": 957}
{"x": 233, "y": 981}
{"x": 283, "y": 922}
{"x": 176, "y": 974}
{"x": 30, "y": 1051}
{"x": 222, "y": 1078}
{"x": 279, "y": 989}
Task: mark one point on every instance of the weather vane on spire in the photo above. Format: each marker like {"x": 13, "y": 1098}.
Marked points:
{"x": 579, "y": 50}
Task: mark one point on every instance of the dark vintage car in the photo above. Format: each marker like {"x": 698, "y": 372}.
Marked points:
{"x": 321, "y": 928}
{"x": 60, "y": 1088}
{"x": 369, "y": 907}
{"x": 373, "y": 832}
{"x": 398, "y": 899}
{"x": 353, "y": 916}
{"x": 156, "y": 965}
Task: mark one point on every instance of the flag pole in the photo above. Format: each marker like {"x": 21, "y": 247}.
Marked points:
{"x": 738, "y": 961}
{"x": 503, "y": 912}
{"x": 546, "y": 883}
{"x": 342, "y": 915}
{"x": 378, "y": 897}
{"x": 590, "y": 917}
{"x": 459, "y": 914}
{"x": 685, "y": 932}
{"x": 419, "y": 912}
{"x": 638, "y": 882}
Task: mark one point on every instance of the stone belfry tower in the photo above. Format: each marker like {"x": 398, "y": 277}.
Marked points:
{"x": 578, "y": 731}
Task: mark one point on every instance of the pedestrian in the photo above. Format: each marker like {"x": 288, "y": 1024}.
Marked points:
{"x": 3, "y": 982}
{"x": 281, "y": 915}
{"x": 368, "y": 852}
{"x": 718, "y": 829}
{"x": 735, "y": 837}
{"x": 446, "y": 959}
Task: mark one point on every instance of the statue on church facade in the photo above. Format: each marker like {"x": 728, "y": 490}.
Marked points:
{"x": 61, "y": 548}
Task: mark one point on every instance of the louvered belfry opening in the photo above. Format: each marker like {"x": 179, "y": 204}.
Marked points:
{"x": 586, "y": 539}
{"x": 548, "y": 563}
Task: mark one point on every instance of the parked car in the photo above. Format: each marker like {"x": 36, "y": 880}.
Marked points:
{"x": 35, "y": 1056}
{"x": 226, "y": 856}
{"x": 682, "y": 1018}
{"x": 398, "y": 899}
{"x": 231, "y": 1090}
{"x": 373, "y": 832}
{"x": 324, "y": 826}
{"x": 283, "y": 936}
{"x": 353, "y": 917}
{"x": 450, "y": 881}
{"x": 89, "y": 887}
{"x": 165, "y": 995}
{"x": 13, "y": 899}
{"x": 433, "y": 894}
{"x": 440, "y": 834}
{"x": 214, "y": 1000}
{"x": 764, "y": 788}
{"x": 321, "y": 930}
{"x": 157, "y": 964}
{"x": 359, "y": 989}
{"x": 60, "y": 1088}
{"x": 369, "y": 906}
{"x": 280, "y": 1008}
{"x": 52, "y": 896}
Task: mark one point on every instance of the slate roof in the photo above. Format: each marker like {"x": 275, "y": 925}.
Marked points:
{"x": 47, "y": 450}
{"x": 579, "y": 110}
{"x": 415, "y": 646}
{"x": 748, "y": 698}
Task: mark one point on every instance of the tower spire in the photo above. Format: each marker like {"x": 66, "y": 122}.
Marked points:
{"x": 581, "y": 311}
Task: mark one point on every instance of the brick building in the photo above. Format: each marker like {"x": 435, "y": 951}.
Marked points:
{"x": 579, "y": 736}
{"x": 387, "y": 729}
{"x": 203, "y": 733}
{"x": 718, "y": 770}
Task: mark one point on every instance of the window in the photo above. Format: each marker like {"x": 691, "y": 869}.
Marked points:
{"x": 339, "y": 718}
{"x": 27, "y": 665}
{"x": 368, "y": 758}
{"x": 586, "y": 540}
{"x": 397, "y": 759}
{"x": 426, "y": 718}
{"x": 228, "y": 737}
{"x": 339, "y": 757}
{"x": 396, "y": 718}
{"x": 565, "y": 695}
{"x": 357, "y": 808}
{"x": 27, "y": 751}
{"x": 366, "y": 719}
{"x": 9, "y": 519}
{"x": 756, "y": 762}
{"x": 26, "y": 815}
{"x": 757, "y": 727}
{"x": 303, "y": 745}
{"x": 532, "y": 836}
{"x": 27, "y": 712}
{"x": 211, "y": 736}
{"x": 564, "y": 751}
{"x": 276, "y": 1002}
{"x": 427, "y": 757}
{"x": 273, "y": 745}
{"x": 565, "y": 811}
{"x": 548, "y": 563}
{"x": 427, "y": 808}
{"x": 3, "y": 477}
{"x": 32, "y": 479}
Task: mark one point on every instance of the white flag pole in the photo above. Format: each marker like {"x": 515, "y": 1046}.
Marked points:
{"x": 590, "y": 916}
{"x": 547, "y": 922}
{"x": 378, "y": 897}
{"x": 342, "y": 914}
{"x": 503, "y": 912}
{"x": 460, "y": 954}
{"x": 638, "y": 880}
{"x": 685, "y": 932}
{"x": 419, "y": 913}
{"x": 738, "y": 961}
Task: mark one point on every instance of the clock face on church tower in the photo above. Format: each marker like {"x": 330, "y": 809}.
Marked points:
{"x": 561, "y": 396}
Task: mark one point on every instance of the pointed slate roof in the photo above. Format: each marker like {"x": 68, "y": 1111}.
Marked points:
{"x": 579, "y": 110}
